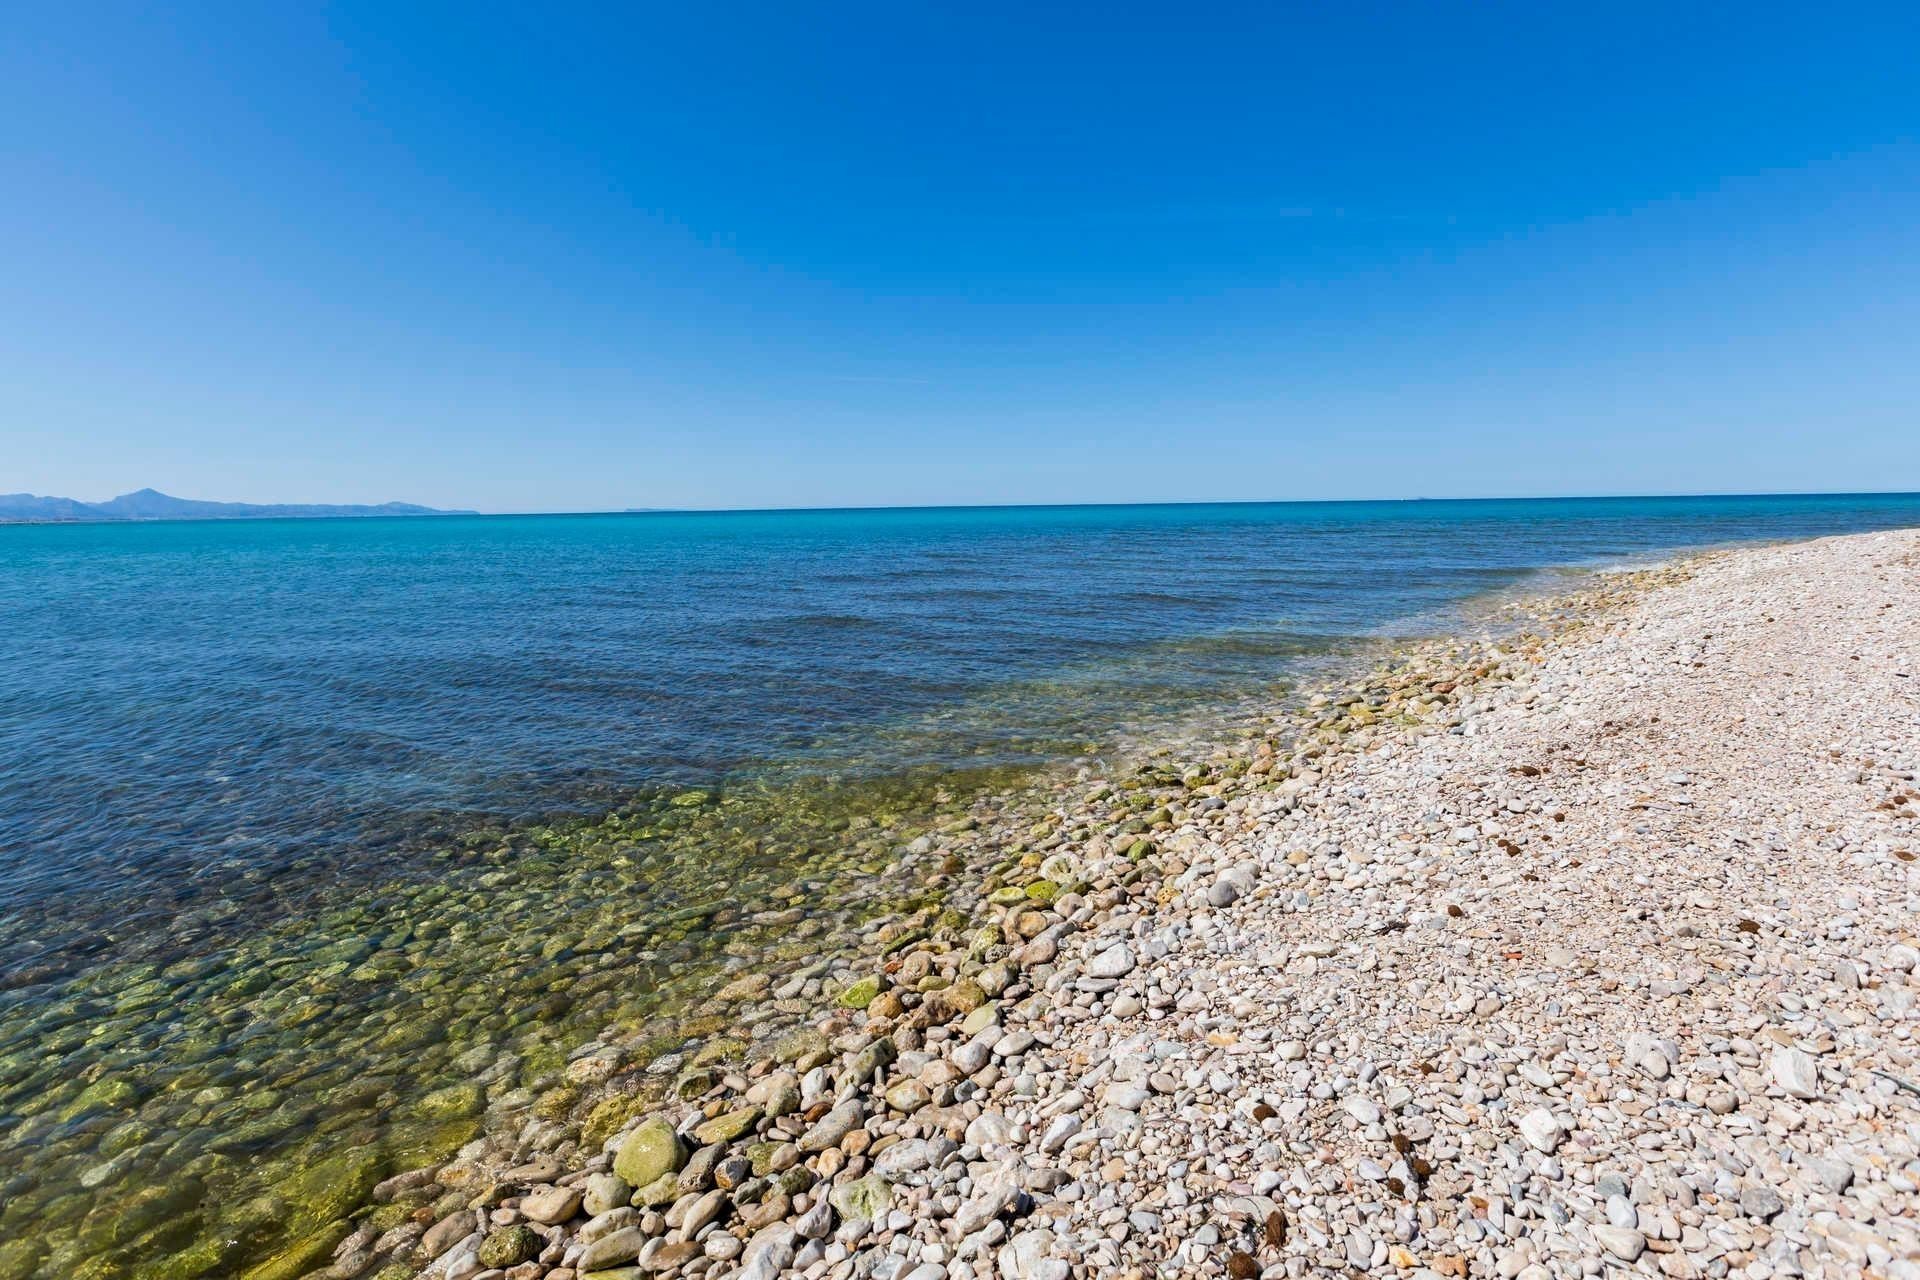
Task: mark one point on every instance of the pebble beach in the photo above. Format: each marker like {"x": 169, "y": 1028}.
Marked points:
{"x": 1587, "y": 951}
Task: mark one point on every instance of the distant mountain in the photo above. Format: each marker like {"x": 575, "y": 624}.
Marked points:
{"x": 150, "y": 504}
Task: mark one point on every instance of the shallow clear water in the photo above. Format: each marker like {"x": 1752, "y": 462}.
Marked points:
{"x": 277, "y": 910}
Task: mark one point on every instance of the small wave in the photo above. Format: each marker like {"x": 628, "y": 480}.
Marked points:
{"x": 826, "y": 622}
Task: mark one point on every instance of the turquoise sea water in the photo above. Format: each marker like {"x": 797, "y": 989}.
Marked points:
{"x": 186, "y": 708}
{"x": 279, "y": 912}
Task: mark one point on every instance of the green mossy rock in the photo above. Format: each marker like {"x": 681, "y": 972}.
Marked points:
{"x": 509, "y": 1246}
{"x": 862, "y": 1066}
{"x": 663, "y": 1190}
{"x": 109, "y": 1093}
{"x": 20, "y": 1259}
{"x": 964, "y": 996}
{"x": 336, "y": 1186}
{"x": 727, "y": 1127}
{"x": 123, "y": 1220}
{"x": 861, "y": 993}
{"x": 649, "y": 1153}
{"x": 800, "y": 1043}
{"x": 300, "y": 1258}
{"x": 453, "y": 1102}
{"x": 694, "y": 1083}
{"x": 608, "y": 1117}
{"x": 979, "y": 1020}
{"x": 204, "y": 1258}
{"x": 719, "y": 1049}
{"x": 557, "y": 1104}
{"x": 863, "y": 1199}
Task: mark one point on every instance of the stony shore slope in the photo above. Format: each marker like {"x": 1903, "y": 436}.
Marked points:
{"x": 1610, "y": 967}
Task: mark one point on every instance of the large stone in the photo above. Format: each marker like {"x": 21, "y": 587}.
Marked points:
{"x": 863, "y": 1199}
{"x": 509, "y": 1246}
{"x": 1115, "y": 962}
{"x": 861, "y": 993}
{"x": 663, "y": 1190}
{"x": 832, "y": 1127}
{"x": 649, "y": 1153}
{"x": 770, "y": 1252}
{"x": 448, "y": 1232}
{"x": 862, "y": 1066}
{"x": 908, "y": 1096}
{"x": 453, "y": 1102}
{"x": 605, "y": 1191}
{"x": 1795, "y": 1071}
{"x": 1026, "y": 1257}
{"x": 727, "y": 1127}
{"x": 615, "y": 1249}
{"x": 993, "y": 1194}
{"x": 1622, "y": 1242}
{"x": 1540, "y": 1129}
{"x": 551, "y": 1205}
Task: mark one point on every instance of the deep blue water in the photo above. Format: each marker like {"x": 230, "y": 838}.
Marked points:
{"x": 180, "y": 700}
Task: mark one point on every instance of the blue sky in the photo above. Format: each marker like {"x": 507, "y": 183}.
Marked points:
{"x": 578, "y": 257}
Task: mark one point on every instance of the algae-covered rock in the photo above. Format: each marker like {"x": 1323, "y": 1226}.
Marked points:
{"x": 763, "y": 1155}
{"x": 123, "y": 1218}
{"x": 109, "y": 1093}
{"x": 719, "y": 1049}
{"x": 509, "y": 1246}
{"x": 299, "y": 1258}
{"x": 605, "y": 1191}
{"x": 456, "y": 1101}
{"x": 863, "y": 1199}
{"x": 694, "y": 1082}
{"x": 608, "y": 1116}
{"x": 649, "y": 1153}
{"x": 336, "y": 1186}
{"x": 862, "y": 1066}
{"x": 861, "y": 993}
{"x": 799, "y": 1044}
{"x": 557, "y": 1104}
{"x": 727, "y": 1127}
{"x": 206, "y": 1257}
{"x": 663, "y": 1190}
{"x": 20, "y": 1259}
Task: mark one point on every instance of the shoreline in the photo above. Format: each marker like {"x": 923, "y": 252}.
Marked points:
{"x": 1002, "y": 1133}
{"x": 939, "y": 989}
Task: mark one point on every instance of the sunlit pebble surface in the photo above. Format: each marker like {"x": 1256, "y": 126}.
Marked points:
{"x": 1595, "y": 956}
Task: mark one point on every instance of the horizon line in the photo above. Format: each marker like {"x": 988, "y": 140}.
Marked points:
{"x": 462, "y": 514}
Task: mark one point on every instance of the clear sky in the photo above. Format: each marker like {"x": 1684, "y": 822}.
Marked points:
{"x": 579, "y": 257}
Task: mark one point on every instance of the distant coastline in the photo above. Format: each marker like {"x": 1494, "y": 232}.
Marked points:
{"x": 151, "y": 504}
